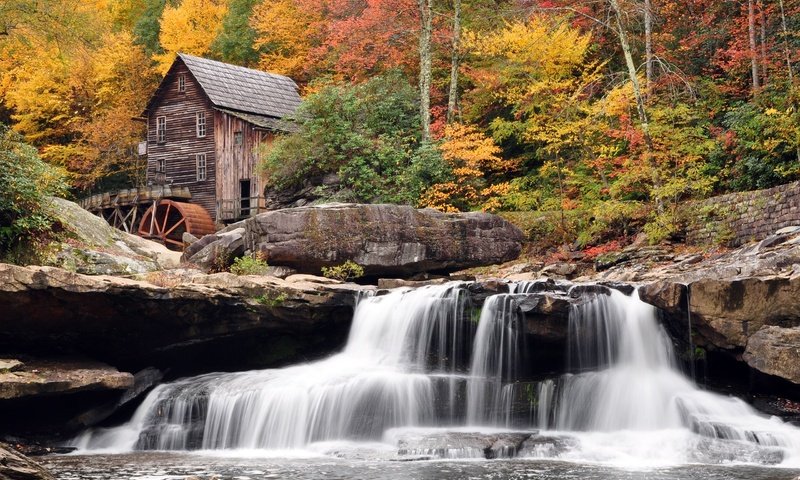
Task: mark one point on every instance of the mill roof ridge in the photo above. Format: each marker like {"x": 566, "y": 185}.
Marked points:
{"x": 244, "y": 89}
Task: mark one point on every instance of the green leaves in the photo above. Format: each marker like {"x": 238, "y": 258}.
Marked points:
{"x": 366, "y": 134}
{"x": 25, "y": 183}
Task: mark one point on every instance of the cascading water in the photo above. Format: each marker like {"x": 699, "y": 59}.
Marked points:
{"x": 415, "y": 358}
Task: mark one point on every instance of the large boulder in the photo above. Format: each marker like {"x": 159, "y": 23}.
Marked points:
{"x": 775, "y": 351}
{"x": 387, "y": 240}
{"x": 92, "y": 247}
{"x": 15, "y": 466}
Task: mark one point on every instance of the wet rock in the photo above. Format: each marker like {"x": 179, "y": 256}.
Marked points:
{"x": 714, "y": 451}
{"x": 15, "y": 466}
{"x": 480, "y": 291}
{"x": 58, "y": 377}
{"x": 545, "y": 446}
{"x": 775, "y": 351}
{"x": 507, "y": 444}
{"x": 460, "y": 444}
{"x": 387, "y": 240}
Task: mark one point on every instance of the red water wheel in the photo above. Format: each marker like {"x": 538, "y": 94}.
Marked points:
{"x": 167, "y": 220}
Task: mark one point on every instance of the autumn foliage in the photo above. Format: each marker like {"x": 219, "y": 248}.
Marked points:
{"x": 545, "y": 116}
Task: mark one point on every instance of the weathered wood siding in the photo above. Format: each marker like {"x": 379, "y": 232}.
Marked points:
{"x": 237, "y": 162}
{"x": 182, "y": 143}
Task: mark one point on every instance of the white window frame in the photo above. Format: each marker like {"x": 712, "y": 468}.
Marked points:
{"x": 200, "y": 124}
{"x": 182, "y": 83}
{"x": 161, "y": 129}
{"x": 201, "y": 163}
{"x": 161, "y": 165}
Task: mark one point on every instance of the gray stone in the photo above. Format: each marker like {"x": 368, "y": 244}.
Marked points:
{"x": 775, "y": 351}
{"x": 96, "y": 248}
{"x": 280, "y": 272}
{"x": 51, "y": 377}
{"x": 10, "y": 364}
{"x": 385, "y": 240}
{"x": 15, "y": 466}
{"x": 188, "y": 238}
{"x": 788, "y": 230}
{"x": 559, "y": 270}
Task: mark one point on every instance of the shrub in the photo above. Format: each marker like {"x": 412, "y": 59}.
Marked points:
{"x": 349, "y": 270}
{"x": 254, "y": 264}
{"x": 25, "y": 183}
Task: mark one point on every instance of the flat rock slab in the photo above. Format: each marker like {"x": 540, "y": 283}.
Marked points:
{"x": 55, "y": 377}
{"x": 9, "y": 364}
{"x": 15, "y": 466}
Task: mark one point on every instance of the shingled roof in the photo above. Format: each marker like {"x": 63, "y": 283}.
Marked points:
{"x": 242, "y": 89}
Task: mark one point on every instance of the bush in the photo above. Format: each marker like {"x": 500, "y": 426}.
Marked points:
{"x": 250, "y": 265}
{"x": 349, "y": 270}
{"x": 25, "y": 183}
{"x": 367, "y": 134}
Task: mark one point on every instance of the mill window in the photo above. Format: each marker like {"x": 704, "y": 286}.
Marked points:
{"x": 161, "y": 129}
{"x": 181, "y": 83}
{"x": 238, "y": 138}
{"x": 161, "y": 165}
{"x": 201, "y": 124}
{"x": 201, "y": 167}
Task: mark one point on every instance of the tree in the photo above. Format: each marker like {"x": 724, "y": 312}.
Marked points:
{"x": 366, "y": 134}
{"x": 190, "y": 28}
{"x": 285, "y": 35}
{"x": 452, "y": 100}
{"x": 425, "y": 32}
{"x": 237, "y": 38}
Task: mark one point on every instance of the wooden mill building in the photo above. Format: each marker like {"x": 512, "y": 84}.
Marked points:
{"x": 205, "y": 123}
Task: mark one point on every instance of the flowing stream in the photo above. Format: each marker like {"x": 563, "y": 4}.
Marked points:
{"x": 421, "y": 364}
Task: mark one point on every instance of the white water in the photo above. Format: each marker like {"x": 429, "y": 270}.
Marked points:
{"x": 416, "y": 359}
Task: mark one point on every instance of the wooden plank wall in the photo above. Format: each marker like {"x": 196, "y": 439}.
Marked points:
{"x": 182, "y": 143}
{"x": 237, "y": 162}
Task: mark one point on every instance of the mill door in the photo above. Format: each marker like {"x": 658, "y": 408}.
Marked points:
{"x": 244, "y": 186}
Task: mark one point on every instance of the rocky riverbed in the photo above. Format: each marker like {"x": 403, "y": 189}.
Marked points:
{"x": 72, "y": 334}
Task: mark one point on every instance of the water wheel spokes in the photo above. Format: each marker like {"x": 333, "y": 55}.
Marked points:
{"x": 167, "y": 220}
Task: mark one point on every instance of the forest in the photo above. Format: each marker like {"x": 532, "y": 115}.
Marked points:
{"x": 603, "y": 117}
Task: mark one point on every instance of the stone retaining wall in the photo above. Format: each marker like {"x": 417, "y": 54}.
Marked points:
{"x": 738, "y": 218}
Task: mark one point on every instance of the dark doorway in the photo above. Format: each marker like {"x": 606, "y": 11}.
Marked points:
{"x": 244, "y": 192}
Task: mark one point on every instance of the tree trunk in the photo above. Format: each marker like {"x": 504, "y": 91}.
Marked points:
{"x": 452, "y": 100}
{"x": 751, "y": 27}
{"x": 637, "y": 93}
{"x": 648, "y": 43}
{"x": 426, "y": 27}
{"x": 763, "y": 32}
{"x": 786, "y": 50}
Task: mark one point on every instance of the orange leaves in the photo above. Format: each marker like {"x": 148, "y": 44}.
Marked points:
{"x": 471, "y": 155}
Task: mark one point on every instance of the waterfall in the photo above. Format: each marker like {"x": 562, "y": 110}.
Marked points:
{"x": 416, "y": 358}
{"x": 495, "y": 360}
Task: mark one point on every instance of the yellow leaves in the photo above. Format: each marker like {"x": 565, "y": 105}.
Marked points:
{"x": 287, "y": 32}
{"x": 466, "y": 147}
{"x": 471, "y": 155}
{"x": 189, "y": 28}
